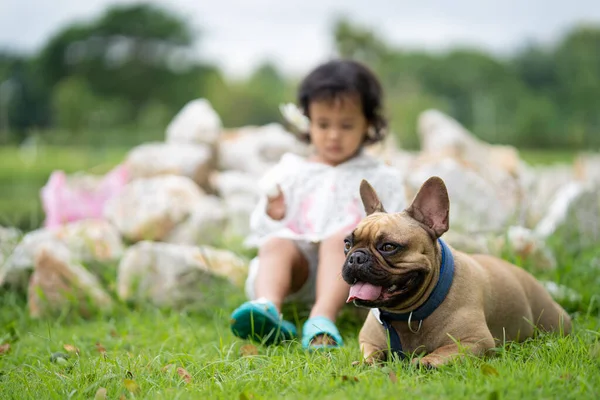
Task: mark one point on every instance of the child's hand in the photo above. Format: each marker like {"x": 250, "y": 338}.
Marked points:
{"x": 276, "y": 205}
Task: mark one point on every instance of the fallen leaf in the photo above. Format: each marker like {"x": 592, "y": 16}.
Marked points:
{"x": 248, "y": 350}
{"x": 184, "y": 375}
{"x": 393, "y": 377}
{"x": 100, "y": 394}
{"x": 488, "y": 370}
{"x": 122, "y": 397}
{"x": 100, "y": 348}
{"x": 243, "y": 396}
{"x": 131, "y": 385}
{"x": 71, "y": 349}
{"x": 5, "y": 348}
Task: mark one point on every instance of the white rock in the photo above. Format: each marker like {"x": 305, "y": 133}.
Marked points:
{"x": 573, "y": 218}
{"x": 475, "y": 204}
{"x": 87, "y": 241}
{"x": 9, "y": 239}
{"x": 498, "y": 166}
{"x": 236, "y": 183}
{"x": 170, "y": 275}
{"x": 255, "y": 149}
{"x": 240, "y": 192}
{"x": 517, "y": 240}
{"x": 587, "y": 168}
{"x": 58, "y": 283}
{"x": 441, "y": 134}
{"x": 194, "y": 161}
{"x": 468, "y": 243}
{"x": 239, "y": 210}
{"x": 540, "y": 185}
{"x": 197, "y": 122}
{"x": 149, "y": 209}
{"x": 205, "y": 225}
{"x": 561, "y": 293}
{"x": 529, "y": 246}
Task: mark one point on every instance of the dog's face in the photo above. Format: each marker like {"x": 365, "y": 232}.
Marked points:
{"x": 391, "y": 259}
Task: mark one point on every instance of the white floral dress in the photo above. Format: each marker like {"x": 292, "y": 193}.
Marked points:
{"x": 322, "y": 200}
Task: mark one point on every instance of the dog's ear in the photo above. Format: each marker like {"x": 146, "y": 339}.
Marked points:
{"x": 431, "y": 206}
{"x": 370, "y": 199}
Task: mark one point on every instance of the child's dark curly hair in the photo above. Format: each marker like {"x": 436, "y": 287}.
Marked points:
{"x": 341, "y": 78}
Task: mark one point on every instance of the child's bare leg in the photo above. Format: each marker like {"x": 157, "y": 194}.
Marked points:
{"x": 282, "y": 270}
{"x": 331, "y": 290}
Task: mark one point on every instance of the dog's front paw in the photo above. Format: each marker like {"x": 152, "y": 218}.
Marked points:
{"x": 431, "y": 361}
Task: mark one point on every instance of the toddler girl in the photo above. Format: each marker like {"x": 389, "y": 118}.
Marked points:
{"x": 299, "y": 226}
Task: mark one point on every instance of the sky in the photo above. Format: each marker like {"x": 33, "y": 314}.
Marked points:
{"x": 238, "y": 35}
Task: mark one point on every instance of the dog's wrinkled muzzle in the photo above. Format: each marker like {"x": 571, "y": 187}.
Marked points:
{"x": 357, "y": 271}
{"x": 357, "y": 267}
{"x": 358, "y": 259}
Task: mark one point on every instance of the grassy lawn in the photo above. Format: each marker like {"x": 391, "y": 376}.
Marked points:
{"x": 547, "y": 157}
{"x": 143, "y": 352}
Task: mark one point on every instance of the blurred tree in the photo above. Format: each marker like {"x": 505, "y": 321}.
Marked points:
{"x": 78, "y": 109}
{"x": 577, "y": 61}
{"x": 7, "y": 89}
{"x": 73, "y": 101}
{"x": 24, "y": 100}
{"x": 535, "y": 67}
{"x": 481, "y": 91}
{"x": 536, "y": 124}
{"x": 358, "y": 43}
{"x": 132, "y": 68}
{"x": 255, "y": 101}
{"x": 537, "y": 119}
{"x": 137, "y": 53}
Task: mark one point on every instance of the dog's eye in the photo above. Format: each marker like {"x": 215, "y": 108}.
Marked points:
{"x": 388, "y": 247}
{"x": 347, "y": 246}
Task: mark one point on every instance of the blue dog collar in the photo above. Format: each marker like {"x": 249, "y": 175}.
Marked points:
{"x": 437, "y": 296}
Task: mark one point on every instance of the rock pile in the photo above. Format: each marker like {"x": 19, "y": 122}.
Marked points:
{"x": 159, "y": 233}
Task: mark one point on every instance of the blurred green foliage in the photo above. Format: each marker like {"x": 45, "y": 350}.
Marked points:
{"x": 133, "y": 67}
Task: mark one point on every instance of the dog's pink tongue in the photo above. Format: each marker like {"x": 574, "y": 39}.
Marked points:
{"x": 364, "y": 291}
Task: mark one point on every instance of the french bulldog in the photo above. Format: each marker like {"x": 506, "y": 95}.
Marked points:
{"x": 430, "y": 300}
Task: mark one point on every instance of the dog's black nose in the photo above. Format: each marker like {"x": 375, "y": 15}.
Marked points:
{"x": 358, "y": 258}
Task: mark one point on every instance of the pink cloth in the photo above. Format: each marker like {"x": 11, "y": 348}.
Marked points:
{"x": 63, "y": 203}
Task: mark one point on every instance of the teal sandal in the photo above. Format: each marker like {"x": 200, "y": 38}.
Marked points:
{"x": 261, "y": 322}
{"x": 316, "y": 326}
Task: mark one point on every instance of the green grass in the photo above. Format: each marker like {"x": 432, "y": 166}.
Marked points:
{"x": 145, "y": 346}
{"x": 547, "y": 157}
{"x": 140, "y": 341}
